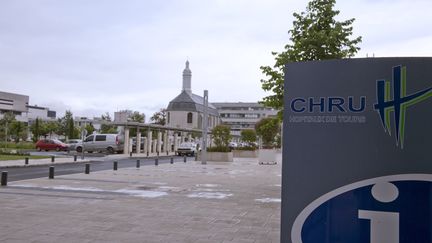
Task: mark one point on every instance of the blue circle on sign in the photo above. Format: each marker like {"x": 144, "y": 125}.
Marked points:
{"x": 393, "y": 209}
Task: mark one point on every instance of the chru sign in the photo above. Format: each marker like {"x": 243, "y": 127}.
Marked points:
{"x": 344, "y": 179}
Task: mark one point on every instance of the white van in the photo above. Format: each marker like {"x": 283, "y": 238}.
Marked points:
{"x": 110, "y": 143}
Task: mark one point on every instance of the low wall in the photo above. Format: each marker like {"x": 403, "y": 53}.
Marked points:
{"x": 245, "y": 153}
{"x": 220, "y": 156}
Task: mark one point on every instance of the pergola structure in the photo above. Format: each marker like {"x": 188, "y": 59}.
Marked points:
{"x": 161, "y": 144}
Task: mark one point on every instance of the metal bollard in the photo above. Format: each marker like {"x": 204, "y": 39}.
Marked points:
{"x": 172, "y": 160}
{"x": 147, "y": 154}
{"x": 167, "y": 152}
{"x": 26, "y": 160}
{"x": 184, "y": 158}
{"x": 51, "y": 172}
{"x": 115, "y": 165}
{"x": 52, "y": 159}
{"x": 158, "y": 153}
{"x": 156, "y": 161}
{"x": 4, "y": 176}
{"x": 75, "y": 158}
{"x": 130, "y": 154}
{"x": 138, "y": 163}
{"x": 87, "y": 168}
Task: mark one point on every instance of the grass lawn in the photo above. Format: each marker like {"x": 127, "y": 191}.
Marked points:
{"x": 21, "y": 157}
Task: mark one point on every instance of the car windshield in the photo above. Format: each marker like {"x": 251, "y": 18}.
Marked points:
{"x": 187, "y": 145}
{"x": 57, "y": 141}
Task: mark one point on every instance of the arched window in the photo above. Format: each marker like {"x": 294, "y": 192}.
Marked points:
{"x": 189, "y": 117}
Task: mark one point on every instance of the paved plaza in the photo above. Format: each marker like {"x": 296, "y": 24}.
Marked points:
{"x": 180, "y": 202}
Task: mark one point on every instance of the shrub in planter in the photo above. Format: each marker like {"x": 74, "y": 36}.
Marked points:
{"x": 246, "y": 148}
{"x": 218, "y": 149}
{"x": 268, "y": 128}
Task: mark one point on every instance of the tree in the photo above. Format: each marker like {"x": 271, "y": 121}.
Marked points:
{"x": 5, "y": 123}
{"x": 221, "y": 136}
{"x": 136, "y": 116}
{"x": 315, "y": 35}
{"x": 90, "y": 128}
{"x": 18, "y": 130}
{"x": 248, "y": 135}
{"x": 268, "y": 128}
{"x": 35, "y": 129}
{"x": 159, "y": 117}
{"x": 51, "y": 127}
{"x": 66, "y": 125}
{"x": 106, "y": 127}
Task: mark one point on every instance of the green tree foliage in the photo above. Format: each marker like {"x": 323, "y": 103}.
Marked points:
{"x": 248, "y": 135}
{"x": 221, "y": 136}
{"x": 18, "y": 130}
{"x": 136, "y": 116}
{"x": 50, "y": 128}
{"x": 268, "y": 128}
{"x": 5, "y": 124}
{"x": 36, "y": 129}
{"x": 66, "y": 125}
{"x": 316, "y": 35}
{"x": 90, "y": 128}
{"x": 106, "y": 127}
{"x": 159, "y": 117}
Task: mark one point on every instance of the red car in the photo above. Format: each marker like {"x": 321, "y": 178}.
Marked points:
{"x": 51, "y": 144}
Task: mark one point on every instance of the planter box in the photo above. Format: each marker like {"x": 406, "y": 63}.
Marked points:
{"x": 267, "y": 156}
{"x": 245, "y": 153}
{"x": 220, "y": 156}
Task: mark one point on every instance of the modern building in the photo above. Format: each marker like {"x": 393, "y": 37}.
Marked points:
{"x": 187, "y": 109}
{"x": 81, "y": 121}
{"x": 19, "y": 105}
{"x": 242, "y": 115}
{"x": 15, "y": 103}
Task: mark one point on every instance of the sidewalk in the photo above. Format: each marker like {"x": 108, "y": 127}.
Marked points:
{"x": 65, "y": 160}
{"x": 180, "y": 202}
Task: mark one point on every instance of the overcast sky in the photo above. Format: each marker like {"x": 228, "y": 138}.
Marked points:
{"x": 106, "y": 55}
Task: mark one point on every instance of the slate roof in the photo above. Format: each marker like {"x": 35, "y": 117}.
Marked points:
{"x": 190, "y": 102}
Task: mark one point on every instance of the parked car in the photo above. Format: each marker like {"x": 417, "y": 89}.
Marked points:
{"x": 232, "y": 145}
{"x": 51, "y": 144}
{"x": 187, "y": 149}
{"x": 72, "y": 143}
{"x": 110, "y": 143}
{"x": 134, "y": 144}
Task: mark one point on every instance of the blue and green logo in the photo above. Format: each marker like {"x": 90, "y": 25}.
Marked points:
{"x": 385, "y": 105}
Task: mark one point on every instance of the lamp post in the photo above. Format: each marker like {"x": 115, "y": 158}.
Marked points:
{"x": 205, "y": 129}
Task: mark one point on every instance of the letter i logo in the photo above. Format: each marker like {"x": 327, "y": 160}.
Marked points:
{"x": 384, "y": 226}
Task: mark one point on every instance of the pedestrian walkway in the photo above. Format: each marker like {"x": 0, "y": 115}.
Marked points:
{"x": 180, "y": 202}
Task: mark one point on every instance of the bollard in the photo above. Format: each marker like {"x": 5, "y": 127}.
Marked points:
{"x": 156, "y": 161}
{"x": 138, "y": 164}
{"x": 87, "y": 168}
{"x": 147, "y": 153}
{"x": 130, "y": 154}
{"x": 4, "y": 176}
{"x": 115, "y": 165}
{"x": 172, "y": 160}
{"x": 75, "y": 158}
{"x": 158, "y": 153}
{"x": 184, "y": 158}
{"x": 52, "y": 159}
{"x": 26, "y": 160}
{"x": 167, "y": 152}
{"x": 51, "y": 172}
{"x": 196, "y": 156}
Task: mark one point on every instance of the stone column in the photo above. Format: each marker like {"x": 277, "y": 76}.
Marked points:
{"x": 165, "y": 142}
{"x": 149, "y": 141}
{"x": 145, "y": 145}
{"x": 154, "y": 143}
{"x": 182, "y": 137}
{"x": 138, "y": 141}
{"x": 175, "y": 141}
{"x": 159, "y": 142}
{"x": 126, "y": 141}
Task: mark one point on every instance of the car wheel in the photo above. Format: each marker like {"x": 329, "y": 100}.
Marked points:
{"x": 58, "y": 149}
{"x": 39, "y": 149}
{"x": 79, "y": 149}
{"x": 192, "y": 154}
{"x": 110, "y": 150}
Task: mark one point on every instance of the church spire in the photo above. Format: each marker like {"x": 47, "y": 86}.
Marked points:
{"x": 187, "y": 76}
